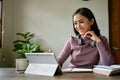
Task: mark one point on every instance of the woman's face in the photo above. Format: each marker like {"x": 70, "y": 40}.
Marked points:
{"x": 82, "y": 24}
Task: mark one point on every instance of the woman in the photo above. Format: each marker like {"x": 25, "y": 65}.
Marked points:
{"x": 88, "y": 47}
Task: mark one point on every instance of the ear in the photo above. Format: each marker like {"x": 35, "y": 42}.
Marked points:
{"x": 92, "y": 21}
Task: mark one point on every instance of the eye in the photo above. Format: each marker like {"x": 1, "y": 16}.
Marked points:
{"x": 75, "y": 23}
{"x": 81, "y": 21}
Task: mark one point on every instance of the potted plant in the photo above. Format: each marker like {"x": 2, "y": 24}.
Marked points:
{"x": 24, "y": 45}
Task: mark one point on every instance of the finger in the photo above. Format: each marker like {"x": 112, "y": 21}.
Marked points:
{"x": 88, "y": 34}
{"x": 49, "y": 51}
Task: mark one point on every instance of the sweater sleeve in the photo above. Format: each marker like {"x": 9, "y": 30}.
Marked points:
{"x": 66, "y": 51}
{"x": 106, "y": 57}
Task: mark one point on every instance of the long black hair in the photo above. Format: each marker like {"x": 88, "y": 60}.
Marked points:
{"x": 88, "y": 14}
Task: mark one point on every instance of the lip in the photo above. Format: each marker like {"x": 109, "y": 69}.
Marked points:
{"x": 80, "y": 30}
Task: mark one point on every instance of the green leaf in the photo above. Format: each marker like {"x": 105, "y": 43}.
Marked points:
{"x": 23, "y": 45}
{"x": 35, "y": 47}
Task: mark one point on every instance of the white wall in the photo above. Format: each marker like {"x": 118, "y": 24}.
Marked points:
{"x": 50, "y": 20}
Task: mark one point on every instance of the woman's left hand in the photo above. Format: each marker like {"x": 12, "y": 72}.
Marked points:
{"x": 92, "y": 35}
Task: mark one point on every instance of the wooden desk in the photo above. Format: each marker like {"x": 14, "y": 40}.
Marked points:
{"x": 10, "y": 74}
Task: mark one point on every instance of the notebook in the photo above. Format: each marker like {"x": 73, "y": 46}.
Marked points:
{"x": 80, "y": 70}
{"x": 107, "y": 70}
{"x": 43, "y": 64}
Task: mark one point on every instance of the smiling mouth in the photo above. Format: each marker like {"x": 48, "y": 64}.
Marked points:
{"x": 80, "y": 30}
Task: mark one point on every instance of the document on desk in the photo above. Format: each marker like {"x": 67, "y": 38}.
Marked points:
{"x": 77, "y": 70}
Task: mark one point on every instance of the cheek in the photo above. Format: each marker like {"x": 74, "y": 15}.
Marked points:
{"x": 87, "y": 27}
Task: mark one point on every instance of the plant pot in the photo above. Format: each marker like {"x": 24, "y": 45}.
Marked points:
{"x": 21, "y": 65}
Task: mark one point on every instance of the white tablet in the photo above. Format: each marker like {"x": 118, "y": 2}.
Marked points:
{"x": 41, "y": 58}
{"x": 43, "y": 64}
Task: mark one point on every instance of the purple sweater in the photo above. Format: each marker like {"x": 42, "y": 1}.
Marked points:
{"x": 86, "y": 55}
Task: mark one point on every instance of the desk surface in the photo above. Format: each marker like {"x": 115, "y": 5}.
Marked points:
{"x": 10, "y": 74}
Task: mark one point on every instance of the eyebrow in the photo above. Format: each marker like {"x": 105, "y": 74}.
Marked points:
{"x": 79, "y": 20}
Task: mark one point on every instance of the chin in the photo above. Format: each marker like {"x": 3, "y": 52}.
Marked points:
{"x": 82, "y": 34}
